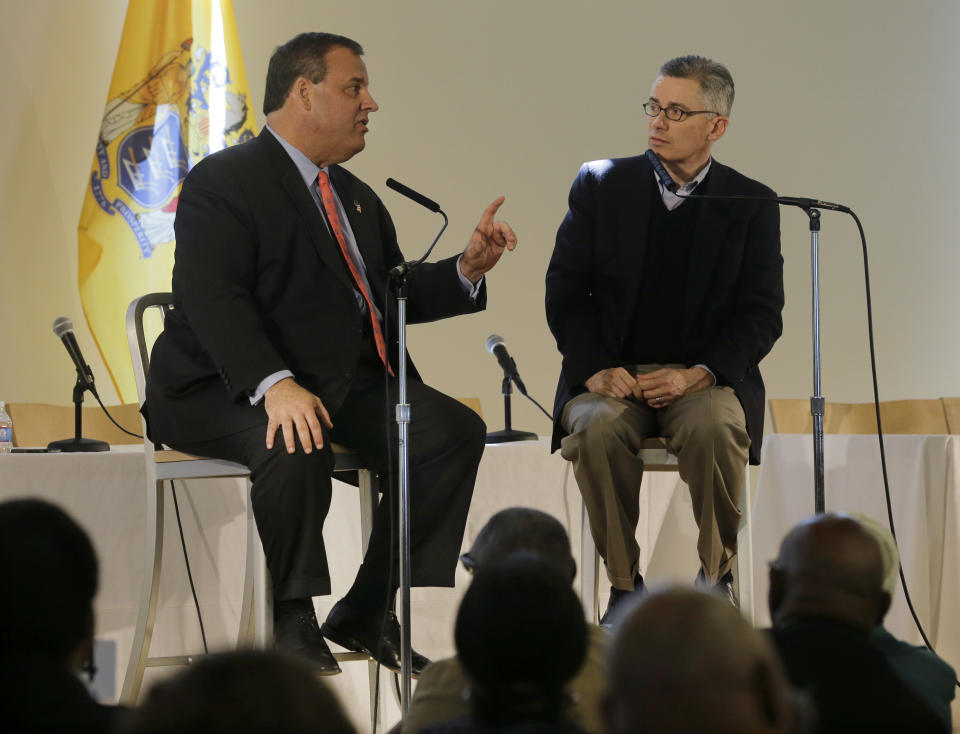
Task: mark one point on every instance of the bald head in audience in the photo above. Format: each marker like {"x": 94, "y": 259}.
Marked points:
{"x": 829, "y": 566}
{"x": 684, "y": 660}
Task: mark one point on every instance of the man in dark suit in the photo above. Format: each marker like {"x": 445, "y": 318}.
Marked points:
{"x": 281, "y": 305}
{"x": 826, "y": 596}
{"x": 662, "y": 308}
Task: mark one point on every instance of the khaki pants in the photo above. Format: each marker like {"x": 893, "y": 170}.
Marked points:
{"x": 706, "y": 430}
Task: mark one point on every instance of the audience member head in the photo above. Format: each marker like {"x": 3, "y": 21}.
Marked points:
{"x": 888, "y": 550}
{"x": 48, "y": 571}
{"x": 240, "y": 692}
{"x": 522, "y": 529}
{"x": 684, "y": 660}
{"x": 520, "y": 636}
{"x": 829, "y": 567}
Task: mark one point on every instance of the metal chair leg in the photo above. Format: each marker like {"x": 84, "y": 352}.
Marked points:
{"x": 745, "y": 553}
{"x": 368, "y": 506}
{"x": 589, "y": 568}
{"x": 149, "y": 593}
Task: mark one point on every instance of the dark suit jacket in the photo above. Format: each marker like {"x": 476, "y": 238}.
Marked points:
{"x": 853, "y": 687}
{"x": 734, "y": 288}
{"x": 259, "y": 286}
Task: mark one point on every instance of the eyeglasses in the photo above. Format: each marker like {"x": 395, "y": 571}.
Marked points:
{"x": 677, "y": 114}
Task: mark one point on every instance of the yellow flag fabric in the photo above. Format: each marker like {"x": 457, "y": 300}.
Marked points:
{"x": 179, "y": 92}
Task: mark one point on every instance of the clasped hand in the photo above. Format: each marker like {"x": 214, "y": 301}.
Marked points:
{"x": 658, "y": 389}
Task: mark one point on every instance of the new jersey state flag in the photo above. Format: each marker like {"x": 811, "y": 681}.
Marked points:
{"x": 179, "y": 92}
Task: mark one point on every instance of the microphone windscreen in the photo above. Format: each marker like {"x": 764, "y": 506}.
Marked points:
{"x": 493, "y": 341}
{"x": 62, "y": 326}
{"x": 413, "y": 195}
{"x": 668, "y": 183}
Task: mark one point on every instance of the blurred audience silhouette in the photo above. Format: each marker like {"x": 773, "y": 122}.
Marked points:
{"x": 244, "y": 692}
{"x": 49, "y": 576}
{"x": 520, "y": 637}
{"x": 826, "y": 597}
{"x": 439, "y": 695}
{"x": 684, "y": 660}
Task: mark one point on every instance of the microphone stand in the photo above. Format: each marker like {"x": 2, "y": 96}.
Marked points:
{"x": 403, "y": 421}
{"x": 77, "y": 443}
{"x": 399, "y": 275}
{"x": 508, "y": 434}
{"x": 816, "y": 401}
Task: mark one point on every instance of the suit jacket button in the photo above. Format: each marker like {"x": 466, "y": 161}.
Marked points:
{"x": 348, "y": 376}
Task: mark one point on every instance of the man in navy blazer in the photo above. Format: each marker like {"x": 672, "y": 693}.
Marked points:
{"x": 662, "y": 309}
{"x": 279, "y": 345}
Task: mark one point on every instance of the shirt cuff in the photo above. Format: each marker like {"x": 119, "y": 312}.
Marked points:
{"x": 471, "y": 289}
{"x": 266, "y": 383}
{"x": 708, "y": 370}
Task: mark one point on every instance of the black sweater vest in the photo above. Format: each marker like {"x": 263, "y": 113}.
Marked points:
{"x": 655, "y": 335}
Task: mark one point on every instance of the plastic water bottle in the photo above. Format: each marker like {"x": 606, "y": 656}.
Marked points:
{"x": 6, "y": 430}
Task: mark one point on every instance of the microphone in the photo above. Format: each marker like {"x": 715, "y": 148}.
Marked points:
{"x": 799, "y": 201}
{"x": 658, "y": 168}
{"x": 411, "y": 194}
{"x": 497, "y": 348}
{"x": 63, "y": 328}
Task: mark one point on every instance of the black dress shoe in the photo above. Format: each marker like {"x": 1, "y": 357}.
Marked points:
{"x": 723, "y": 587}
{"x": 362, "y": 634}
{"x": 296, "y": 632}
{"x": 617, "y": 596}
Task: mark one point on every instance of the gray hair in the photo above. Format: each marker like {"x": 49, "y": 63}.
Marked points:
{"x": 888, "y": 550}
{"x": 716, "y": 83}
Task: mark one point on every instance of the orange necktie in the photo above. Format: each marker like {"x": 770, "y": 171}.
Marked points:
{"x": 330, "y": 207}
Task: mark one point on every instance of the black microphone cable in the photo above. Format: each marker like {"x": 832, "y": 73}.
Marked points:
{"x": 112, "y": 420}
{"x": 186, "y": 561}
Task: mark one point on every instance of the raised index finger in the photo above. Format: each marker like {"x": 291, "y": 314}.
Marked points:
{"x": 490, "y": 212}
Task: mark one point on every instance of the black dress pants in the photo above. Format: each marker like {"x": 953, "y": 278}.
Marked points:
{"x": 291, "y": 492}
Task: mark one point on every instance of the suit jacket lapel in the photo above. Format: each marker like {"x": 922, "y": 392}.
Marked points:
{"x": 634, "y": 222}
{"x": 709, "y": 233}
{"x": 306, "y": 207}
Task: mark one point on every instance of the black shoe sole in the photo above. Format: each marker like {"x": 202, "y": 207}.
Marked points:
{"x": 354, "y": 645}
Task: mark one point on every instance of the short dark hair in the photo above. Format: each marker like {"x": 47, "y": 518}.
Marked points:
{"x": 303, "y": 55}
{"x": 716, "y": 82}
{"x": 239, "y": 692}
{"x": 48, "y": 570}
{"x": 522, "y": 610}
{"x": 523, "y": 529}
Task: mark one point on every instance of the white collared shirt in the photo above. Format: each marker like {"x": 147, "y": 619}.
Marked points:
{"x": 670, "y": 199}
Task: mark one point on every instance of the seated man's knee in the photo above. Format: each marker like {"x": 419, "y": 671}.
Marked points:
{"x": 469, "y": 429}
{"x": 300, "y": 465}
{"x": 714, "y": 432}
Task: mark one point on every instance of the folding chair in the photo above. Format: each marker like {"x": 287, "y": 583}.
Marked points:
{"x": 162, "y": 464}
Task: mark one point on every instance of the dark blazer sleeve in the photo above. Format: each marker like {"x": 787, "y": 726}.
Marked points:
{"x": 216, "y": 272}
{"x": 434, "y": 288}
{"x": 753, "y": 321}
{"x": 572, "y": 308}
